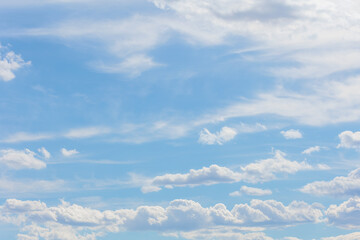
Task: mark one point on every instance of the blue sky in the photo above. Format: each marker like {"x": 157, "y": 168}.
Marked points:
{"x": 179, "y": 119}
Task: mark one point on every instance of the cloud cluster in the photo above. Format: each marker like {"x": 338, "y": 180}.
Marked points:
{"x": 346, "y": 215}
{"x": 224, "y": 135}
{"x": 261, "y": 171}
{"x": 349, "y": 139}
{"x": 349, "y": 185}
{"x": 9, "y": 63}
{"x": 39, "y": 220}
{"x": 20, "y": 159}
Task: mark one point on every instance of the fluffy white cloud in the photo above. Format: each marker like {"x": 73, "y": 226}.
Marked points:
{"x": 224, "y": 135}
{"x": 9, "y": 62}
{"x": 86, "y": 132}
{"x": 251, "y": 191}
{"x": 68, "y": 153}
{"x": 44, "y": 152}
{"x": 311, "y": 150}
{"x": 181, "y": 216}
{"x": 346, "y": 215}
{"x": 291, "y": 134}
{"x": 349, "y": 139}
{"x": 350, "y": 236}
{"x": 349, "y": 185}
{"x": 20, "y": 159}
{"x": 261, "y": 171}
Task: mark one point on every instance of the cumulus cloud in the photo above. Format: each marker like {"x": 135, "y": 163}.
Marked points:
{"x": 44, "y": 152}
{"x": 349, "y": 185}
{"x": 20, "y": 159}
{"x": 260, "y": 171}
{"x": 349, "y": 139}
{"x": 310, "y": 150}
{"x": 224, "y": 135}
{"x": 68, "y": 153}
{"x": 346, "y": 215}
{"x": 251, "y": 191}
{"x": 291, "y": 134}
{"x": 9, "y": 63}
{"x": 350, "y": 236}
{"x": 180, "y": 216}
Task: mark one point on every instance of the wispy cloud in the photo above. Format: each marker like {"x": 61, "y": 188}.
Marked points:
{"x": 68, "y": 153}
{"x": 291, "y": 134}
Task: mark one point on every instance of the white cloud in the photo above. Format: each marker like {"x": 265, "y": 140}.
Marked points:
{"x": 9, "y": 62}
{"x": 350, "y": 236}
{"x": 44, "y": 152}
{"x": 86, "y": 132}
{"x": 291, "y": 134}
{"x": 133, "y": 65}
{"x": 26, "y": 137}
{"x": 346, "y": 215}
{"x": 20, "y": 159}
{"x": 68, "y": 153}
{"x": 310, "y": 150}
{"x": 261, "y": 171}
{"x": 184, "y": 217}
{"x": 251, "y": 191}
{"x": 224, "y": 233}
{"x": 349, "y": 139}
{"x": 224, "y": 135}
{"x": 349, "y": 185}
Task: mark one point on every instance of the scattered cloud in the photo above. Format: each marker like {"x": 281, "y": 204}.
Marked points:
{"x": 350, "y": 236}
{"x": 310, "y": 150}
{"x": 291, "y": 134}
{"x": 68, "y": 153}
{"x": 251, "y": 191}
{"x": 9, "y": 63}
{"x": 349, "y": 139}
{"x": 86, "y": 132}
{"x": 20, "y": 159}
{"x": 44, "y": 152}
{"x": 27, "y": 137}
{"x": 133, "y": 65}
{"x": 184, "y": 216}
{"x": 346, "y": 215}
{"x": 260, "y": 171}
{"x": 224, "y": 135}
{"x": 349, "y": 185}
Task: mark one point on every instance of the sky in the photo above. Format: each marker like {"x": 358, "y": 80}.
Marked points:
{"x": 179, "y": 120}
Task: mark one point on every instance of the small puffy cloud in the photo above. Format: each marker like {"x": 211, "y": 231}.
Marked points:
{"x": 350, "y": 236}
{"x": 260, "y": 171}
{"x": 44, "y": 152}
{"x": 9, "y": 62}
{"x": 310, "y": 150}
{"x": 348, "y": 185}
{"x": 86, "y": 132}
{"x": 349, "y": 139}
{"x": 251, "y": 191}
{"x": 20, "y": 159}
{"x": 133, "y": 65}
{"x": 291, "y": 134}
{"x": 224, "y": 135}
{"x": 68, "y": 153}
{"x": 346, "y": 215}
